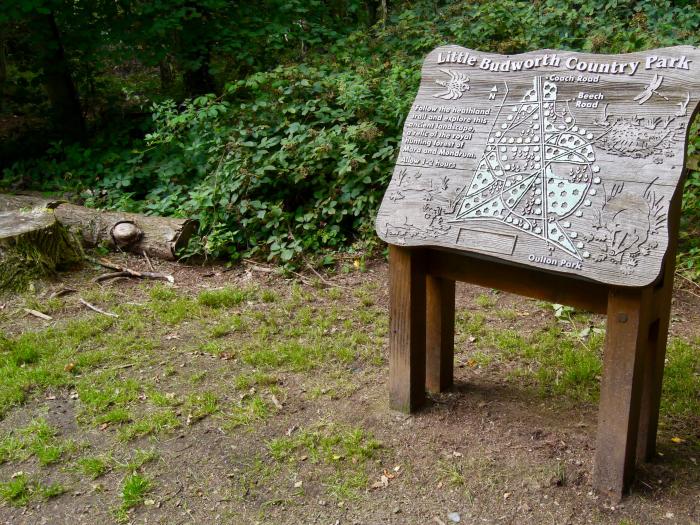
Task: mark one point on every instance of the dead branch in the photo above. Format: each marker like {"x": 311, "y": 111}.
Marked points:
{"x": 324, "y": 280}
{"x": 113, "y": 275}
{"x": 133, "y": 273}
{"x": 38, "y": 314}
{"x": 94, "y": 308}
{"x": 62, "y": 292}
{"x": 148, "y": 260}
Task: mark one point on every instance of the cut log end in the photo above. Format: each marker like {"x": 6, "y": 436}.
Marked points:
{"x": 33, "y": 245}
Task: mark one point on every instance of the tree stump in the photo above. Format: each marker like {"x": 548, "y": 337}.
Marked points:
{"x": 33, "y": 245}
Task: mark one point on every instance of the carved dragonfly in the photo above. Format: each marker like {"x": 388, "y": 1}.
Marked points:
{"x": 651, "y": 90}
{"x": 455, "y": 87}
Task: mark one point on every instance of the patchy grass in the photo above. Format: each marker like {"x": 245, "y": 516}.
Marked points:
{"x": 38, "y": 440}
{"x": 223, "y": 298}
{"x": 250, "y": 409}
{"x": 150, "y": 424}
{"x": 20, "y": 490}
{"x": 261, "y": 364}
{"x": 341, "y": 452}
{"x": 681, "y": 388}
{"x": 134, "y": 490}
{"x": 93, "y": 466}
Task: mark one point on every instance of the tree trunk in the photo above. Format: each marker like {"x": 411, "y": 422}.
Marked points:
{"x": 159, "y": 237}
{"x": 65, "y": 103}
{"x": 3, "y": 71}
{"x": 199, "y": 81}
{"x": 33, "y": 245}
{"x": 167, "y": 74}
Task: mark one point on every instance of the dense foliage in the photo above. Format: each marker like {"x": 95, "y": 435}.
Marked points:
{"x": 276, "y": 124}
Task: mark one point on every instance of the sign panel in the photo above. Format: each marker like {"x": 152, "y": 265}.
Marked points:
{"x": 557, "y": 160}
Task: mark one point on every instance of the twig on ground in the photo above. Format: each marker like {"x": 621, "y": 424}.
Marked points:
{"x": 133, "y": 273}
{"x": 150, "y": 264}
{"x": 679, "y": 274}
{"x": 62, "y": 292}
{"x": 113, "y": 275}
{"x": 256, "y": 267}
{"x": 93, "y": 307}
{"x": 324, "y": 280}
{"x": 38, "y": 314}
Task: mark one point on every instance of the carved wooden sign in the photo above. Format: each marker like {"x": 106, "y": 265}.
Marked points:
{"x": 557, "y": 160}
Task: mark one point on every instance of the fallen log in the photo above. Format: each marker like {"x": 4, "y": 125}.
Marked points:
{"x": 33, "y": 245}
{"x": 159, "y": 237}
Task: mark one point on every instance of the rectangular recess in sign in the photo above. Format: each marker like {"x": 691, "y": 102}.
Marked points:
{"x": 500, "y": 243}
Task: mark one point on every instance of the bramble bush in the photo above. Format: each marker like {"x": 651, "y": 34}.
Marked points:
{"x": 294, "y": 159}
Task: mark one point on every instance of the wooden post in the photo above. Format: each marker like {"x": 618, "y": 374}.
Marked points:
{"x": 407, "y": 315}
{"x": 440, "y": 333}
{"x": 627, "y": 342}
{"x": 658, "y": 338}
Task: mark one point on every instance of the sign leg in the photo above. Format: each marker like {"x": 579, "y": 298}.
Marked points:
{"x": 627, "y": 341}
{"x": 658, "y": 337}
{"x": 407, "y": 316}
{"x": 440, "y": 333}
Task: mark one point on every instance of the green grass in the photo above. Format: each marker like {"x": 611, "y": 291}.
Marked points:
{"x": 134, "y": 490}
{"x": 246, "y": 381}
{"x": 19, "y": 490}
{"x": 200, "y": 405}
{"x": 93, "y": 466}
{"x": 268, "y": 296}
{"x": 39, "y": 440}
{"x": 150, "y": 424}
{"x": 485, "y": 301}
{"x": 681, "y": 387}
{"x": 223, "y": 298}
{"x": 342, "y": 453}
{"x": 227, "y": 326}
{"x": 325, "y": 444}
{"x": 251, "y": 409}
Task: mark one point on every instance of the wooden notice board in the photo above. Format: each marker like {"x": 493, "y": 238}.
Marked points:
{"x": 565, "y": 162}
{"x": 555, "y": 175}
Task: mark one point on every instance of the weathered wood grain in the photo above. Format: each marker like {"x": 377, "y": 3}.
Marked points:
{"x": 547, "y": 166}
{"x": 440, "y": 333}
{"x": 627, "y": 343}
{"x": 655, "y": 357}
{"x": 406, "y": 328}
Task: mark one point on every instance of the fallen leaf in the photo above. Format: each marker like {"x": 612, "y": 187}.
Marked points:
{"x": 383, "y": 482}
{"x": 276, "y": 402}
{"x": 298, "y": 484}
{"x": 104, "y": 426}
{"x": 677, "y": 440}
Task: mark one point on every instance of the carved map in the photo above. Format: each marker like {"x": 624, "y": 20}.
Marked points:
{"x": 562, "y": 161}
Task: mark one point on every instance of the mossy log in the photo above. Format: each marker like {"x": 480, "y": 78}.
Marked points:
{"x": 33, "y": 245}
{"x": 159, "y": 237}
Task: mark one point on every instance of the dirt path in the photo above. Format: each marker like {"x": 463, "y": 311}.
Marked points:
{"x": 242, "y": 397}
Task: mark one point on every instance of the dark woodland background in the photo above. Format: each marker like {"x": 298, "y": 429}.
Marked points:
{"x": 275, "y": 123}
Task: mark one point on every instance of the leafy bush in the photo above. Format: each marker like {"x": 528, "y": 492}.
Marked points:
{"x": 294, "y": 159}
